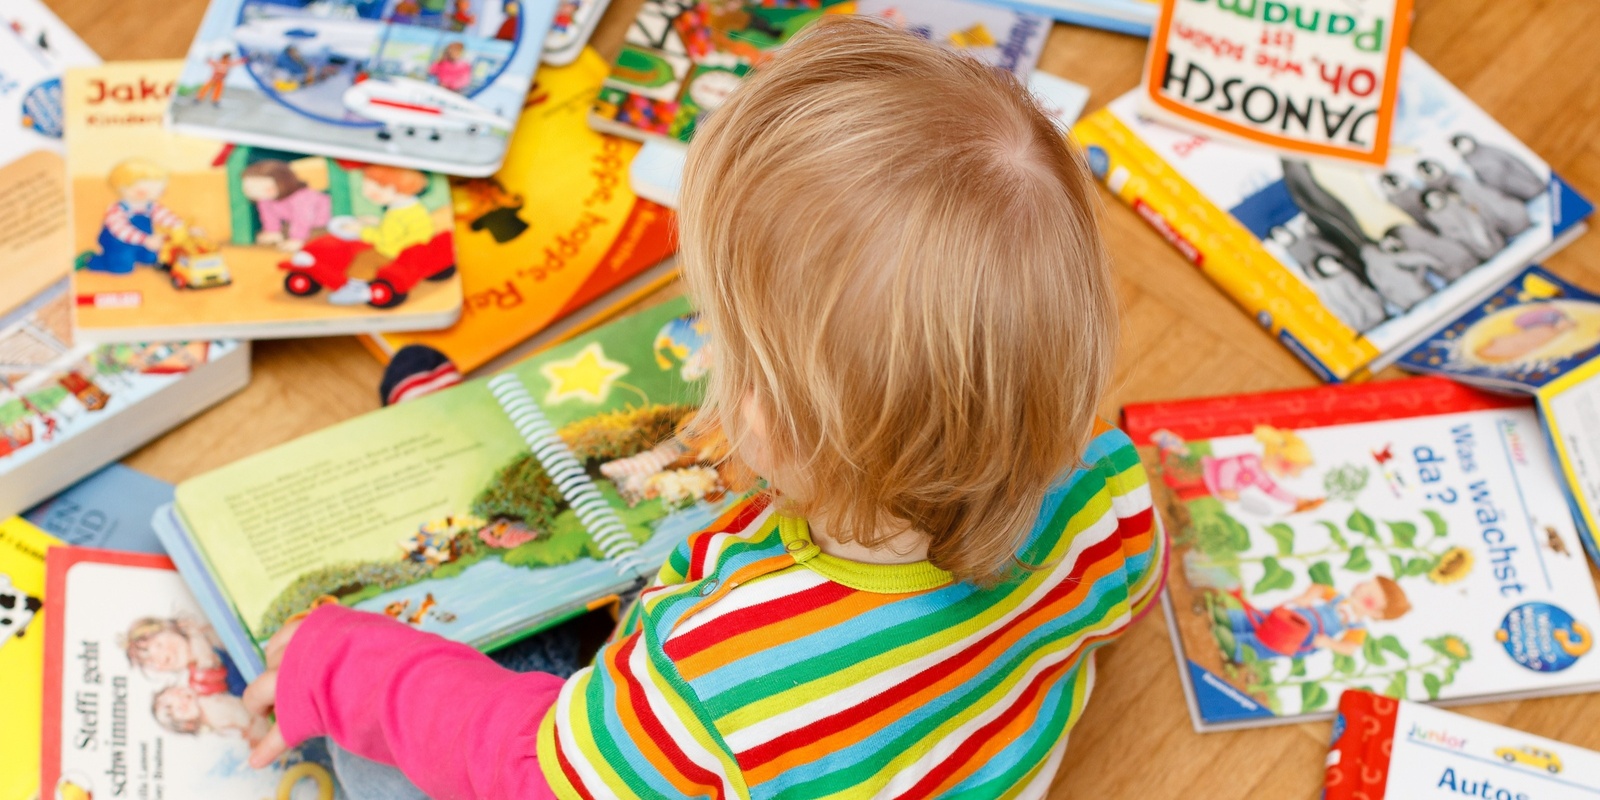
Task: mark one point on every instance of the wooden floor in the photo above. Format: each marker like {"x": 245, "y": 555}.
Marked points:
{"x": 1532, "y": 64}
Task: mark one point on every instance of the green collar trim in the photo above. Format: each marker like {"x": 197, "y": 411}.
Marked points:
{"x": 917, "y": 576}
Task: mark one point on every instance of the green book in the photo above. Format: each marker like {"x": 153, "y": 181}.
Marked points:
{"x": 484, "y": 512}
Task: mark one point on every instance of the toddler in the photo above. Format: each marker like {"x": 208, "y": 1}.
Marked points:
{"x": 132, "y": 232}
{"x": 896, "y": 256}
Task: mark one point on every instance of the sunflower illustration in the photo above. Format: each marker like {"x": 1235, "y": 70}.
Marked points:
{"x": 1452, "y": 566}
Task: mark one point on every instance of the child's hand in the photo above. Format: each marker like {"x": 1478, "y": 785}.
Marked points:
{"x": 269, "y": 237}
{"x": 154, "y": 241}
{"x": 262, "y": 694}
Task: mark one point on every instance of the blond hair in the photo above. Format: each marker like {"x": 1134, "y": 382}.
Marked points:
{"x": 897, "y": 255}
{"x": 127, "y": 173}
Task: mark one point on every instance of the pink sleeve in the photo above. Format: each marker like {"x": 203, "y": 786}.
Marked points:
{"x": 272, "y": 214}
{"x": 457, "y": 724}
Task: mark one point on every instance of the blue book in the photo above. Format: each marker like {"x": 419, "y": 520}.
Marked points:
{"x": 110, "y": 509}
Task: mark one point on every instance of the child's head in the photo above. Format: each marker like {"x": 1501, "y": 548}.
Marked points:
{"x": 1380, "y": 598}
{"x": 908, "y": 297}
{"x": 454, "y": 50}
{"x": 384, "y": 185}
{"x": 269, "y": 179}
{"x": 177, "y": 708}
{"x": 1283, "y": 452}
{"x": 137, "y": 180}
{"x": 157, "y": 644}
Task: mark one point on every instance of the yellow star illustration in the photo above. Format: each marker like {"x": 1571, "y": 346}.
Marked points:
{"x": 587, "y": 375}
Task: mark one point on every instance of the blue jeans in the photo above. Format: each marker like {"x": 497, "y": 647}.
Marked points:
{"x": 555, "y": 651}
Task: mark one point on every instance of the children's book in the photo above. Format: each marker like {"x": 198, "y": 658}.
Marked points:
{"x": 556, "y": 230}
{"x": 1537, "y": 335}
{"x": 426, "y": 84}
{"x": 1386, "y": 749}
{"x": 1349, "y": 268}
{"x": 482, "y": 512}
{"x": 140, "y": 699}
{"x": 183, "y": 238}
{"x": 68, "y": 408}
{"x": 1311, "y": 79}
{"x": 1132, "y": 17}
{"x": 110, "y": 509}
{"x": 1404, "y": 537}
{"x": 22, "y": 570}
{"x": 34, "y": 48}
{"x": 574, "y": 23}
{"x": 682, "y": 58}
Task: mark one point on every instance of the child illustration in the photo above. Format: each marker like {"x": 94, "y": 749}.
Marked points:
{"x": 1320, "y": 618}
{"x": 184, "y": 645}
{"x": 130, "y": 234}
{"x": 181, "y": 709}
{"x": 406, "y": 223}
{"x": 1535, "y": 328}
{"x": 452, "y": 71}
{"x": 212, "y": 88}
{"x": 1284, "y": 455}
{"x": 289, "y": 209}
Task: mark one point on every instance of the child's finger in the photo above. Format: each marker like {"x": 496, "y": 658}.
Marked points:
{"x": 268, "y": 749}
{"x": 262, "y": 693}
{"x": 273, "y": 652}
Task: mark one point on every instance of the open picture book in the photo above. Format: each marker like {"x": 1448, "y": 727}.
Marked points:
{"x": 483, "y": 512}
{"x": 1404, "y": 537}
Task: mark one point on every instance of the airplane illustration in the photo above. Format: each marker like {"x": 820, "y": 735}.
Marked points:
{"x": 349, "y": 39}
{"x": 407, "y": 104}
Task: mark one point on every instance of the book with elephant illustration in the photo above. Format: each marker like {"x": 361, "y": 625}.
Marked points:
{"x": 1348, "y": 267}
{"x": 22, "y": 619}
{"x": 181, "y": 238}
{"x": 140, "y": 699}
{"x": 483, "y": 512}
{"x": 1404, "y": 537}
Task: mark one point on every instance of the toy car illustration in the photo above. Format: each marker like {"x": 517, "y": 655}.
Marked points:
{"x": 200, "y": 271}
{"x": 325, "y": 261}
{"x": 1532, "y": 757}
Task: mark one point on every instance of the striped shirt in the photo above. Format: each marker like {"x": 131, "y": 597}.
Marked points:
{"x": 760, "y": 667}
{"x": 121, "y": 227}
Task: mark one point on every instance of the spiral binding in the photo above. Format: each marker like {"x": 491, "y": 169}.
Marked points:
{"x": 597, "y": 516}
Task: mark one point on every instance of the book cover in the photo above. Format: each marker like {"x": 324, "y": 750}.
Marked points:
{"x": 1348, "y": 268}
{"x": 34, "y": 48}
{"x": 481, "y": 512}
{"x": 427, "y": 84}
{"x": 1132, "y": 17}
{"x": 176, "y": 237}
{"x": 1530, "y": 332}
{"x": 22, "y": 623}
{"x": 574, "y": 23}
{"x": 1571, "y": 408}
{"x": 110, "y": 510}
{"x": 68, "y": 408}
{"x": 556, "y": 229}
{"x": 1314, "y": 79}
{"x": 1385, "y": 748}
{"x": 140, "y": 700}
{"x": 1405, "y": 537}
{"x": 682, "y": 58}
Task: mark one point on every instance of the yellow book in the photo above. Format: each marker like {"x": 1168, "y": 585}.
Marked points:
{"x": 556, "y": 230}
{"x": 22, "y": 549}
{"x": 1348, "y": 268}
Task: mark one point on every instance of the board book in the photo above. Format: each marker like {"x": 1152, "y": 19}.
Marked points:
{"x": 68, "y": 408}
{"x": 1385, "y": 749}
{"x": 1132, "y": 17}
{"x": 34, "y": 48}
{"x": 1310, "y": 79}
{"x": 574, "y": 23}
{"x": 555, "y": 231}
{"x": 1348, "y": 268}
{"x": 140, "y": 700}
{"x": 183, "y": 238}
{"x": 110, "y": 509}
{"x": 22, "y": 624}
{"x": 681, "y": 59}
{"x": 482, "y": 512}
{"x": 1537, "y": 335}
{"x": 428, "y": 84}
{"x": 1407, "y": 537}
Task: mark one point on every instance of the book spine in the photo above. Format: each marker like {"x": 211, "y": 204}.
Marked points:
{"x": 1348, "y": 404}
{"x": 1228, "y": 254}
{"x": 565, "y": 471}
